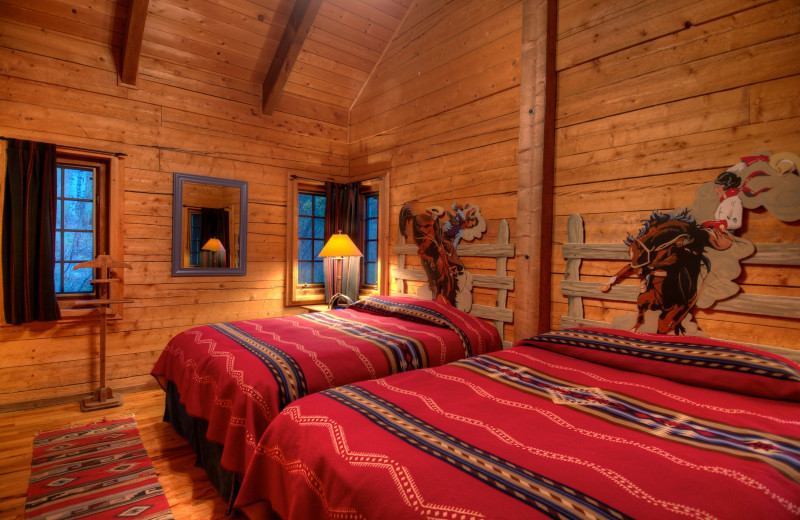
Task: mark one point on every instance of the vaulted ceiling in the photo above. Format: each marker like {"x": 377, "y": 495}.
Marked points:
{"x": 321, "y": 51}
{"x": 313, "y": 55}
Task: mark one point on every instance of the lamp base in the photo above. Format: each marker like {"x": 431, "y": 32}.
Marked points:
{"x": 102, "y": 398}
{"x": 339, "y": 301}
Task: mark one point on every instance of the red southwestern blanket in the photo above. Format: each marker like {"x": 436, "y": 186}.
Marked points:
{"x": 584, "y": 423}
{"x": 239, "y": 375}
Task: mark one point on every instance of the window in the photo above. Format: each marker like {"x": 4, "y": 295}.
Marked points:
{"x": 195, "y": 227}
{"x": 310, "y": 237}
{"x": 369, "y": 246}
{"x": 305, "y": 238}
{"x": 88, "y": 206}
{"x": 75, "y": 226}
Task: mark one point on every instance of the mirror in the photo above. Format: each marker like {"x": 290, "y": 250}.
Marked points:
{"x": 209, "y": 226}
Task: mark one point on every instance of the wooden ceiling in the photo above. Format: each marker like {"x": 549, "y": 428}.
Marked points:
{"x": 264, "y": 53}
{"x": 319, "y": 51}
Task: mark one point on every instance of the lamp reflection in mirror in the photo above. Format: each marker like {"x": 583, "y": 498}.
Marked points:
{"x": 216, "y": 250}
{"x": 339, "y": 245}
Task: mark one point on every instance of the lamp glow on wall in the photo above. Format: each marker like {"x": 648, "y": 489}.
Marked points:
{"x": 338, "y": 247}
{"x": 216, "y": 248}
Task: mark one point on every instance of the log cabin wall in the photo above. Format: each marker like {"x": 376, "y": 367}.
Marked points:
{"x": 58, "y": 83}
{"x": 440, "y": 114}
{"x": 656, "y": 98}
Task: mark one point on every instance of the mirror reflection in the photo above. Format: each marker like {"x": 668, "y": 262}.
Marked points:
{"x": 209, "y": 226}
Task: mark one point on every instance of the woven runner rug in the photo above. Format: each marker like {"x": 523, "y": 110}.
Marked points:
{"x": 94, "y": 472}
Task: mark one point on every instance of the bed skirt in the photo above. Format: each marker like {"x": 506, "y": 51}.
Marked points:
{"x": 208, "y": 454}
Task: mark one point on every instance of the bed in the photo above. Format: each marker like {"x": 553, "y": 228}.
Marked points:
{"x": 581, "y": 423}
{"x": 226, "y": 382}
{"x": 592, "y": 421}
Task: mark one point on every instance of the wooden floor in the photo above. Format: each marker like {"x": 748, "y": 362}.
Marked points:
{"x": 188, "y": 491}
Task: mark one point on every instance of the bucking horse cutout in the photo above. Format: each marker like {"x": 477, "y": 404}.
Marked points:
{"x": 690, "y": 257}
{"x": 437, "y": 233}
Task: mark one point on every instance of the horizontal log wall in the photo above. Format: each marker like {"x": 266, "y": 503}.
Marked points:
{"x": 656, "y": 98}
{"x": 61, "y": 87}
{"x": 441, "y": 113}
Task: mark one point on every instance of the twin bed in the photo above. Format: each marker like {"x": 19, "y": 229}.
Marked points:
{"x": 581, "y": 423}
{"x": 436, "y": 420}
{"x": 226, "y": 382}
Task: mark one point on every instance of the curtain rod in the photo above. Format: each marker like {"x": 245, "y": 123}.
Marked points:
{"x": 293, "y": 176}
{"x": 117, "y": 154}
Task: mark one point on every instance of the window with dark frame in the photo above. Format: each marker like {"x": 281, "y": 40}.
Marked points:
{"x": 75, "y": 227}
{"x": 83, "y": 222}
{"x": 195, "y": 226}
{"x": 310, "y": 237}
{"x": 369, "y": 235}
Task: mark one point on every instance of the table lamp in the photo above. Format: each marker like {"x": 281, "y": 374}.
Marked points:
{"x": 339, "y": 245}
{"x": 216, "y": 247}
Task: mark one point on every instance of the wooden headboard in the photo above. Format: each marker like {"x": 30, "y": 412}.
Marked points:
{"x": 502, "y": 250}
{"x": 575, "y": 250}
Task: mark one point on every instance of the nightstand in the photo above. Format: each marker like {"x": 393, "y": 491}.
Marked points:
{"x": 319, "y": 307}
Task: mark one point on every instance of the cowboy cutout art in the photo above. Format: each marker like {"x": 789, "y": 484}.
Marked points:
{"x": 690, "y": 257}
{"x": 437, "y": 233}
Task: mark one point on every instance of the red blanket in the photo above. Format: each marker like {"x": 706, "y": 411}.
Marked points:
{"x": 531, "y": 432}
{"x": 239, "y": 375}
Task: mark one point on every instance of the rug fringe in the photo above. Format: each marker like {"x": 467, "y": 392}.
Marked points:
{"x": 69, "y": 426}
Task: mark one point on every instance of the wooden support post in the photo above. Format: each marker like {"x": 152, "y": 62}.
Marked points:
{"x": 536, "y": 165}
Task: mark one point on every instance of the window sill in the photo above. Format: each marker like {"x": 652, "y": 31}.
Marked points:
{"x": 88, "y": 313}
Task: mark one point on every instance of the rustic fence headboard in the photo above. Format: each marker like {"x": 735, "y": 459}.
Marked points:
{"x": 575, "y": 250}
{"x": 502, "y": 250}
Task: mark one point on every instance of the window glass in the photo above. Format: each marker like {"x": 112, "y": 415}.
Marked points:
{"x": 310, "y": 237}
{"x": 195, "y": 224}
{"x": 75, "y": 240}
{"x": 370, "y": 242}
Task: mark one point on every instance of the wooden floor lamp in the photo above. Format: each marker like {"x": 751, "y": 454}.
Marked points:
{"x": 103, "y": 397}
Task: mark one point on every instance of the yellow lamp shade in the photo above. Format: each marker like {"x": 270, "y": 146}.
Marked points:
{"x": 339, "y": 245}
{"x": 213, "y": 244}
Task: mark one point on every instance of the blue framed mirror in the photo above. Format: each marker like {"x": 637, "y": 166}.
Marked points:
{"x": 209, "y": 226}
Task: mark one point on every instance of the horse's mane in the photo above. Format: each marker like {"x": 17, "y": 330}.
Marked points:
{"x": 657, "y": 219}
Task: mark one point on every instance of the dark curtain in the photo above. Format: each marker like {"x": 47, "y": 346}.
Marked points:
{"x": 342, "y": 215}
{"x": 214, "y": 224}
{"x": 29, "y": 223}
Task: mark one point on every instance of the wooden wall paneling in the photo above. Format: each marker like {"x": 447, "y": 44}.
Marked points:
{"x": 196, "y": 80}
{"x": 61, "y": 88}
{"x": 63, "y": 48}
{"x": 665, "y": 121}
{"x": 649, "y": 20}
{"x": 431, "y": 138}
{"x": 730, "y": 108}
{"x": 684, "y": 80}
{"x": 770, "y": 21}
{"x": 483, "y": 84}
{"x": 21, "y": 65}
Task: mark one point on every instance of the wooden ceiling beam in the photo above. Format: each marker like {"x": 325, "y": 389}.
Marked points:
{"x": 288, "y": 49}
{"x": 132, "y": 46}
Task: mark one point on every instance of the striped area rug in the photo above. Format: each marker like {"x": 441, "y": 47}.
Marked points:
{"x": 94, "y": 472}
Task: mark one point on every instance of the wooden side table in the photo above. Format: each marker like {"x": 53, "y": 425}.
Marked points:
{"x": 319, "y": 307}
